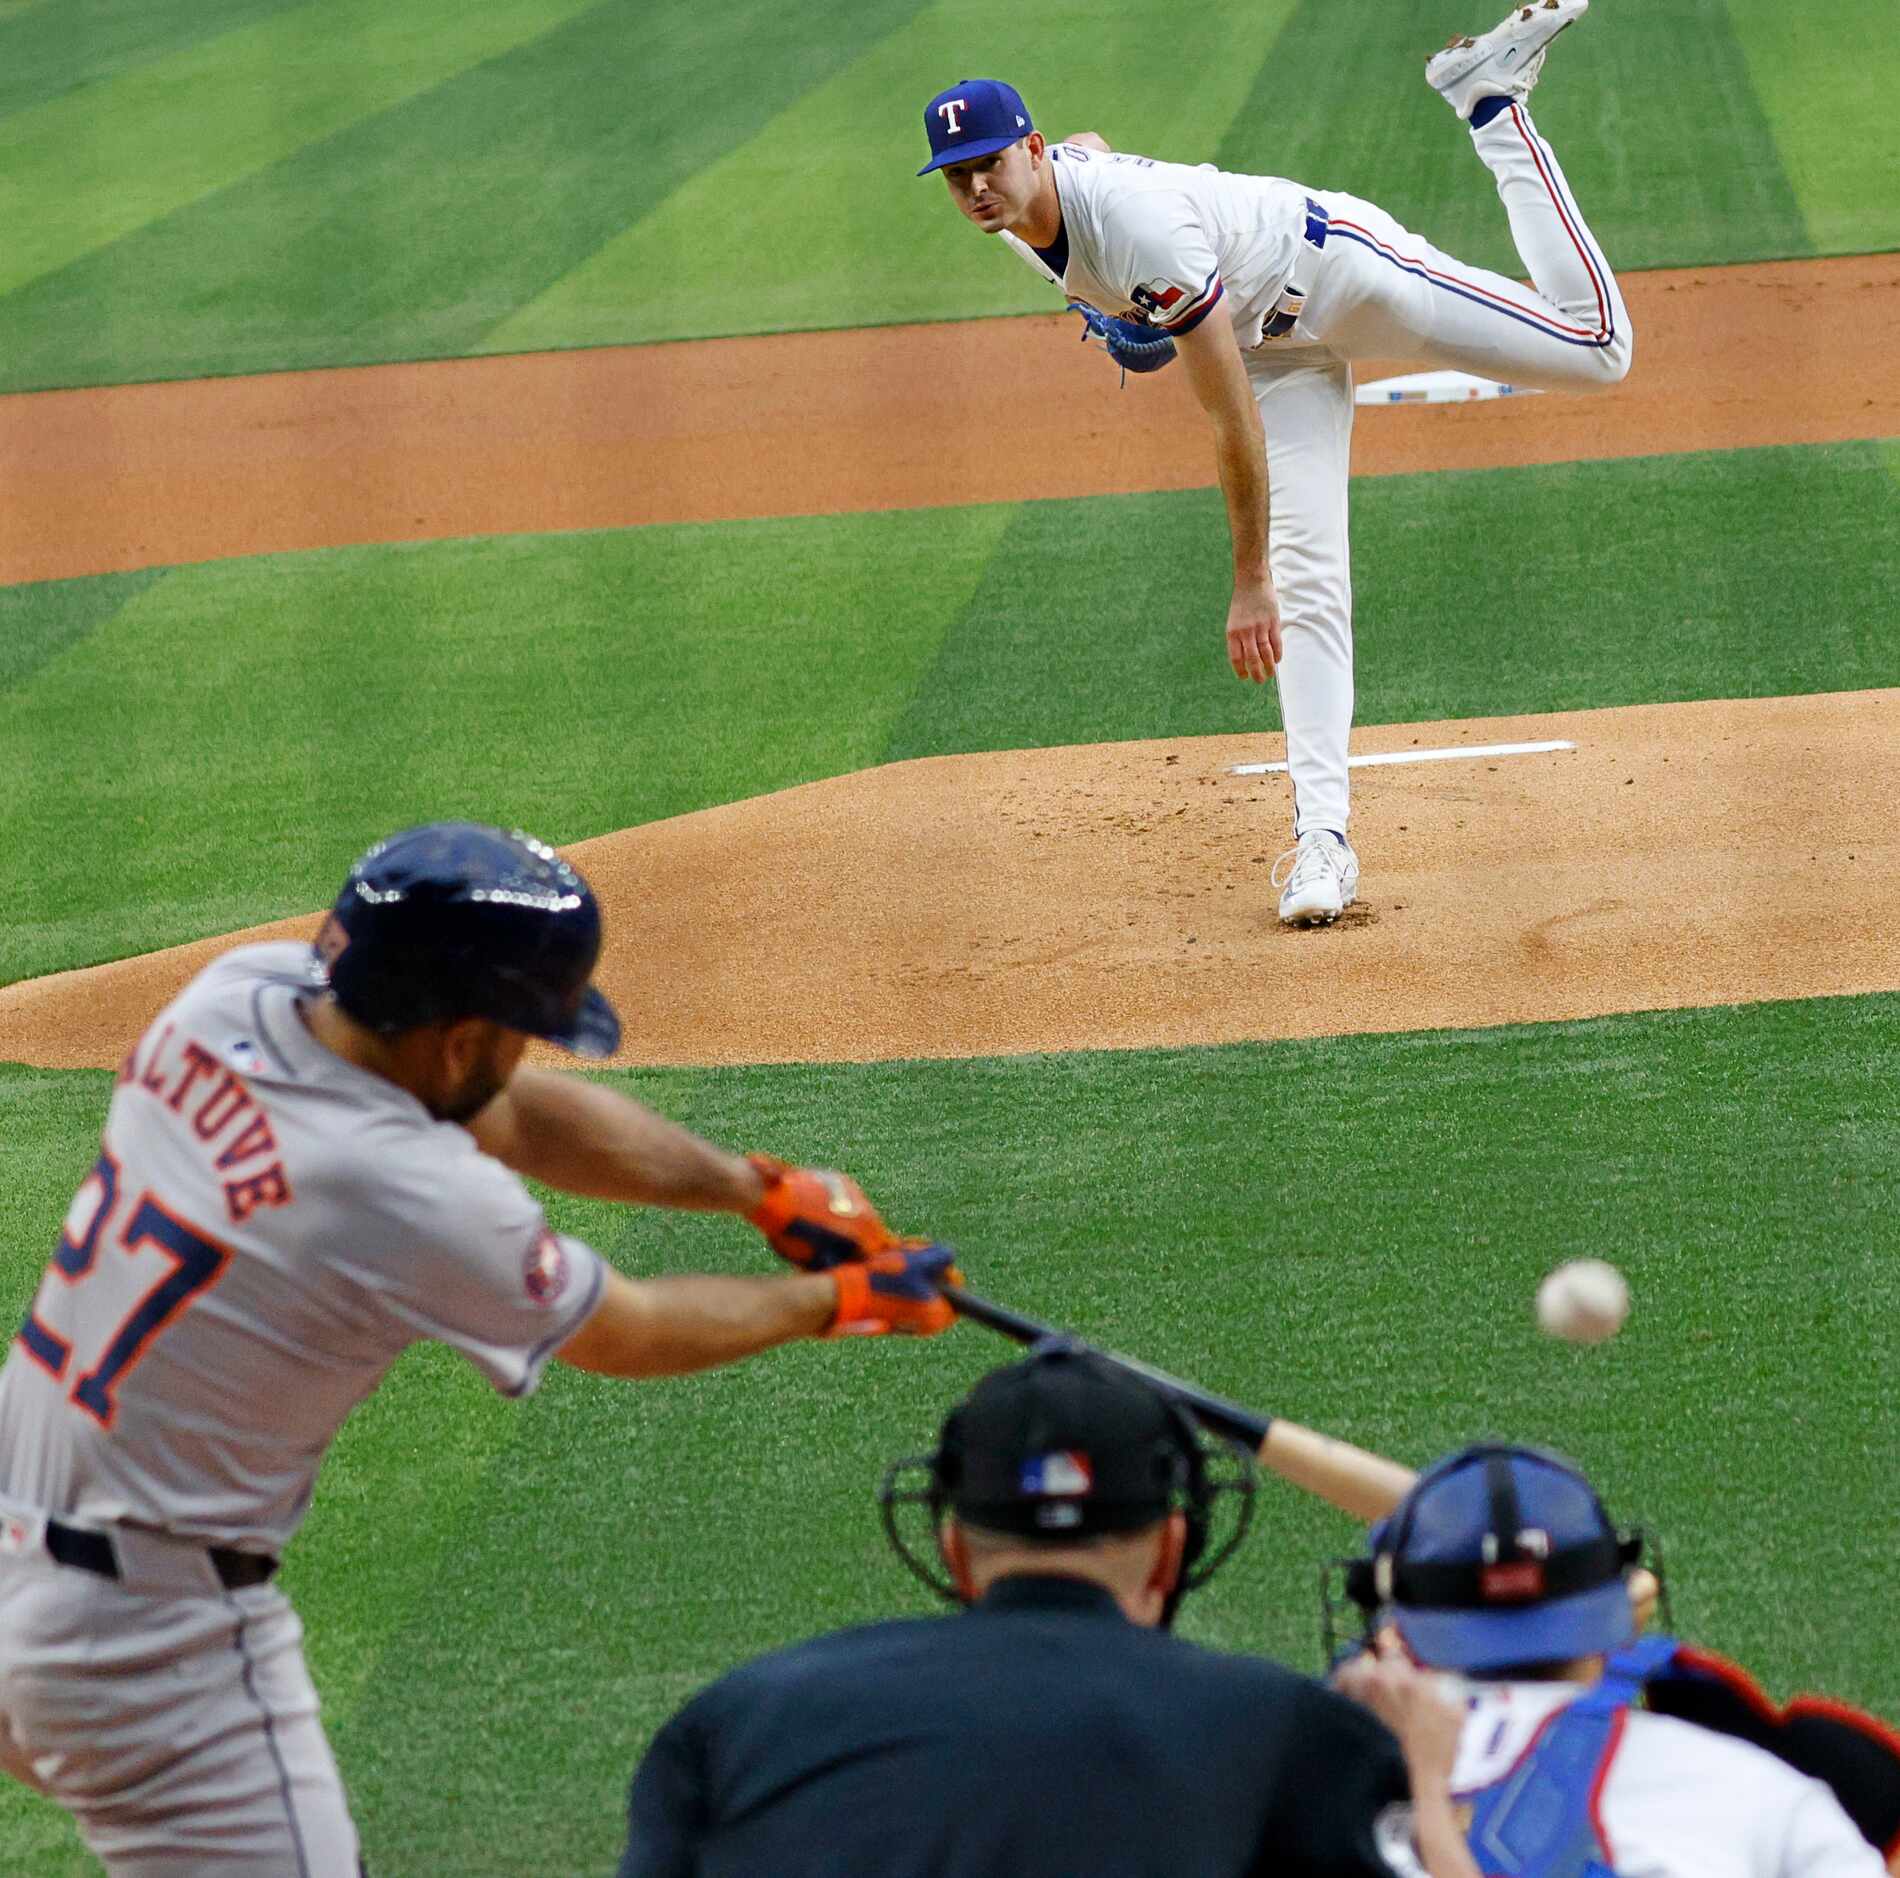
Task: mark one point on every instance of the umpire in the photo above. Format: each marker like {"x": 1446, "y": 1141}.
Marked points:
{"x": 1055, "y": 1728}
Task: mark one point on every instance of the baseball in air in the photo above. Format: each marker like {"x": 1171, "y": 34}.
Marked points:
{"x": 1585, "y": 1301}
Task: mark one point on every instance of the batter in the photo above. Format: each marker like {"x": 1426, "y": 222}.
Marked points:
{"x": 309, "y": 1164}
{"x": 1270, "y": 290}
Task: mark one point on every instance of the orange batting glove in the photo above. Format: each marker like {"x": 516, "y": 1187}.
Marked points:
{"x": 816, "y": 1218}
{"x": 899, "y": 1290}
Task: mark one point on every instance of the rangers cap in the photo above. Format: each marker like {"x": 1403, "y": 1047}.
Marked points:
{"x": 974, "y": 118}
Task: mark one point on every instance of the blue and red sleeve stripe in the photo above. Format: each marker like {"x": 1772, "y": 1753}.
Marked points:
{"x": 1196, "y": 309}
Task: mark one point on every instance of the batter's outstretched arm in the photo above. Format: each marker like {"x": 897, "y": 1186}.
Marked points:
{"x": 584, "y": 1139}
{"x": 1215, "y": 370}
{"x": 674, "y": 1326}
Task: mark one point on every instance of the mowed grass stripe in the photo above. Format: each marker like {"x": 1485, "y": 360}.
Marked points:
{"x": 51, "y": 47}
{"x": 819, "y": 221}
{"x": 1668, "y": 170}
{"x": 290, "y": 711}
{"x": 621, "y": 170}
{"x": 409, "y": 233}
{"x": 1346, "y": 1231}
{"x": 1476, "y": 593}
{"x": 39, "y": 622}
{"x": 580, "y": 683}
{"x": 1826, "y": 74}
{"x": 91, "y": 165}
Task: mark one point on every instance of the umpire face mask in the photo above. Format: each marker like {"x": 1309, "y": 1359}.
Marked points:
{"x": 1067, "y": 1446}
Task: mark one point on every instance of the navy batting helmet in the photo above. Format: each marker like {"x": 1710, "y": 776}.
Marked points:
{"x": 1502, "y": 1556}
{"x": 454, "y": 919}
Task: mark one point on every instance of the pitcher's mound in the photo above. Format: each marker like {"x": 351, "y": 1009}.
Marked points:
{"x": 1117, "y": 895}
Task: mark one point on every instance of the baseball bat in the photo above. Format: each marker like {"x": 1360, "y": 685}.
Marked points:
{"x": 1213, "y": 1411}
{"x": 1355, "y": 1480}
{"x": 1361, "y": 1483}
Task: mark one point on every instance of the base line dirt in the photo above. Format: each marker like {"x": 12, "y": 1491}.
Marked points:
{"x": 1116, "y": 895}
{"x": 133, "y": 476}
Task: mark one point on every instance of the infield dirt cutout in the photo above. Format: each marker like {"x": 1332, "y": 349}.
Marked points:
{"x": 813, "y": 423}
{"x": 1117, "y": 895}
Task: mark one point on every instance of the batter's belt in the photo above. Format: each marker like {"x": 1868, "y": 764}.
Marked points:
{"x": 95, "y": 1552}
{"x": 139, "y": 1559}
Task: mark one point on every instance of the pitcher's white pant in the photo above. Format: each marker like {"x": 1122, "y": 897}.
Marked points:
{"x": 1375, "y": 290}
{"x": 180, "y": 1732}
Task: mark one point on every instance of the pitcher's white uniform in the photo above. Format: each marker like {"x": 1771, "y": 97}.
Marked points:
{"x": 1678, "y": 1801}
{"x": 1313, "y": 280}
{"x": 266, "y": 1230}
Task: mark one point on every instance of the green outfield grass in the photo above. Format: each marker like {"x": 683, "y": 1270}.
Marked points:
{"x": 291, "y": 709}
{"x": 1817, "y": 69}
{"x": 503, "y": 1600}
{"x": 1666, "y": 173}
{"x": 245, "y": 184}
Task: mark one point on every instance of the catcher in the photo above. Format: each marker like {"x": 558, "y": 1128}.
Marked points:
{"x": 1586, "y": 1751}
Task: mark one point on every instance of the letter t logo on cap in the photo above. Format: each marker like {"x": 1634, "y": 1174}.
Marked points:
{"x": 975, "y": 117}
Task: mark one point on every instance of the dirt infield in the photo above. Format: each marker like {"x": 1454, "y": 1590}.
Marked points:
{"x": 1117, "y": 895}
{"x": 812, "y": 423}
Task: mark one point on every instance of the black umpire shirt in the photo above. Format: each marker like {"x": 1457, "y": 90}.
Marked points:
{"x": 1038, "y": 1735}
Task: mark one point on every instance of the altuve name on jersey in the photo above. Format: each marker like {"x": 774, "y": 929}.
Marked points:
{"x": 221, "y": 1112}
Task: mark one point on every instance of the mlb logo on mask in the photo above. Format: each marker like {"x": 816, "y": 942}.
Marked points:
{"x": 1063, "y": 1475}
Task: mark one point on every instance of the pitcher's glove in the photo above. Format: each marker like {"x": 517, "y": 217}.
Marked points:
{"x": 1133, "y": 346}
{"x": 899, "y": 1290}
{"x": 815, "y": 1217}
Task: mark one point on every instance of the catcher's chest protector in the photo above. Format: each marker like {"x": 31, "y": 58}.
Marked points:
{"x": 1539, "y": 1821}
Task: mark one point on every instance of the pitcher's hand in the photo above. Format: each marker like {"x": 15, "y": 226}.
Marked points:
{"x": 1253, "y": 630}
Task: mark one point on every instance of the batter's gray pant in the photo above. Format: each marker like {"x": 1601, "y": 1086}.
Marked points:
{"x": 179, "y": 1731}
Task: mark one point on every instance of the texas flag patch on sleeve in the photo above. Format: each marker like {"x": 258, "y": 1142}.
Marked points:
{"x": 1173, "y": 307}
{"x": 1158, "y": 297}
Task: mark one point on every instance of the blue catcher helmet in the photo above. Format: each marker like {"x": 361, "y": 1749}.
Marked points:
{"x": 454, "y": 919}
{"x": 1501, "y": 1556}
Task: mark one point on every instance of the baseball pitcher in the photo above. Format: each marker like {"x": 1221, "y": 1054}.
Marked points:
{"x": 311, "y": 1162}
{"x": 1269, "y": 290}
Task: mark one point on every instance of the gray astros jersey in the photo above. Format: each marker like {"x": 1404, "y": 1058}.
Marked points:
{"x": 265, "y": 1231}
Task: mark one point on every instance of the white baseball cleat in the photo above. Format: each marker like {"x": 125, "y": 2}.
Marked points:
{"x": 1324, "y": 880}
{"x": 1503, "y": 62}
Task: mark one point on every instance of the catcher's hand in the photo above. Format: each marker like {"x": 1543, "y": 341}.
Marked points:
{"x": 1133, "y": 346}
{"x": 897, "y": 1290}
{"x": 816, "y": 1218}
